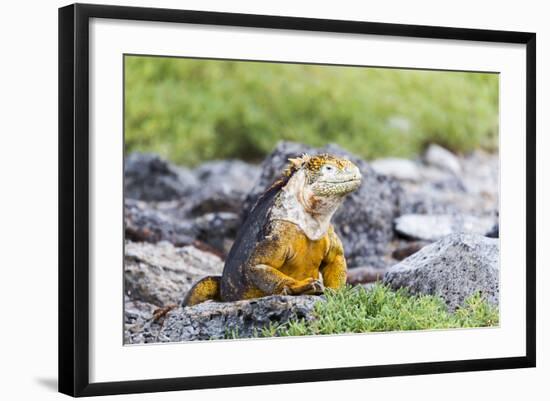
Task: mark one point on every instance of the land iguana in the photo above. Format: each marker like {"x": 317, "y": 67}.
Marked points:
{"x": 287, "y": 238}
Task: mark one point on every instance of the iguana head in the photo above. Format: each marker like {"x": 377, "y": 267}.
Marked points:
{"x": 320, "y": 182}
{"x": 326, "y": 175}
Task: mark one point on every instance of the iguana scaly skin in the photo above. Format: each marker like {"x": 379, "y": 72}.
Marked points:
{"x": 287, "y": 240}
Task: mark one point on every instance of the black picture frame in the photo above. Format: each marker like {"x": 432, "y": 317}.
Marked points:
{"x": 74, "y": 198}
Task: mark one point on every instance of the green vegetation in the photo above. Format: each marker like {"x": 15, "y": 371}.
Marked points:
{"x": 356, "y": 310}
{"x": 194, "y": 110}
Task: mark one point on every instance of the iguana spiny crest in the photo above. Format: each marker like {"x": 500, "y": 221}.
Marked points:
{"x": 287, "y": 240}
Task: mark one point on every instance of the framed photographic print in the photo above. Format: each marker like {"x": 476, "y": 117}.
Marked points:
{"x": 251, "y": 199}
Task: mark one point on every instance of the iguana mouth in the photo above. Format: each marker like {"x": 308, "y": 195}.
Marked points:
{"x": 351, "y": 180}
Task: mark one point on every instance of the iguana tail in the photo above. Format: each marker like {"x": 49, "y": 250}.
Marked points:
{"x": 208, "y": 288}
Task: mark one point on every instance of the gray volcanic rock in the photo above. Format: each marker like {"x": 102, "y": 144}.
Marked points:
{"x": 223, "y": 186}
{"x": 143, "y": 223}
{"x": 148, "y": 177}
{"x": 481, "y": 174}
{"x": 161, "y": 274}
{"x": 400, "y": 169}
{"x": 404, "y": 249}
{"x": 364, "y": 274}
{"x": 475, "y": 191}
{"x": 139, "y": 325}
{"x": 433, "y": 227}
{"x": 218, "y": 320}
{"x": 211, "y": 199}
{"x": 493, "y": 232}
{"x": 442, "y": 158}
{"x": 137, "y": 312}
{"x": 365, "y": 220}
{"x": 217, "y": 230}
{"x": 228, "y": 174}
{"x": 272, "y": 167}
{"x": 454, "y": 268}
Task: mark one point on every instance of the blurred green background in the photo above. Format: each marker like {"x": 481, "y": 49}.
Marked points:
{"x": 190, "y": 110}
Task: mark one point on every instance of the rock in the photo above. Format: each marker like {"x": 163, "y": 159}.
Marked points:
{"x": 161, "y": 274}
{"x": 218, "y": 320}
{"x": 430, "y": 198}
{"x": 364, "y": 274}
{"x": 400, "y": 169}
{"x": 210, "y": 199}
{"x": 434, "y": 227}
{"x": 228, "y": 175}
{"x": 493, "y": 232}
{"x": 474, "y": 192}
{"x": 442, "y": 158}
{"x": 481, "y": 175}
{"x": 223, "y": 186}
{"x": 406, "y": 249}
{"x": 213, "y": 196}
{"x": 211, "y": 232}
{"x": 142, "y": 223}
{"x": 271, "y": 168}
{"x": 436, "y": 192}
{"x": 136, "y": 311}
{"x": 365, "y": 220}
{"x": 148, "y": 177}
{"x": 139, "y": 325}
{"x": 454, "y": 268}
{"x": 438, "y": 177}
{"x": 218, "y": 230}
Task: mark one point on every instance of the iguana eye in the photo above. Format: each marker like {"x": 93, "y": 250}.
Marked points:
{"x": 328, "y": 168}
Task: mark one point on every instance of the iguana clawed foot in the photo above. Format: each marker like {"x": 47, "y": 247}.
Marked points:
{"x": 308, "y": 286}
{"x": 317, "y": 288}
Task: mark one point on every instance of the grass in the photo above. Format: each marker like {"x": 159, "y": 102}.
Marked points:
{"x": 356, "y": 310}
{"x": 190, "y": 111}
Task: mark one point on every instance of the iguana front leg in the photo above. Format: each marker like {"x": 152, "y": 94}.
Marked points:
{"x": 272, "y": 281}
{"x": 263, "y": 269}
{"x": 333, "y": 267}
